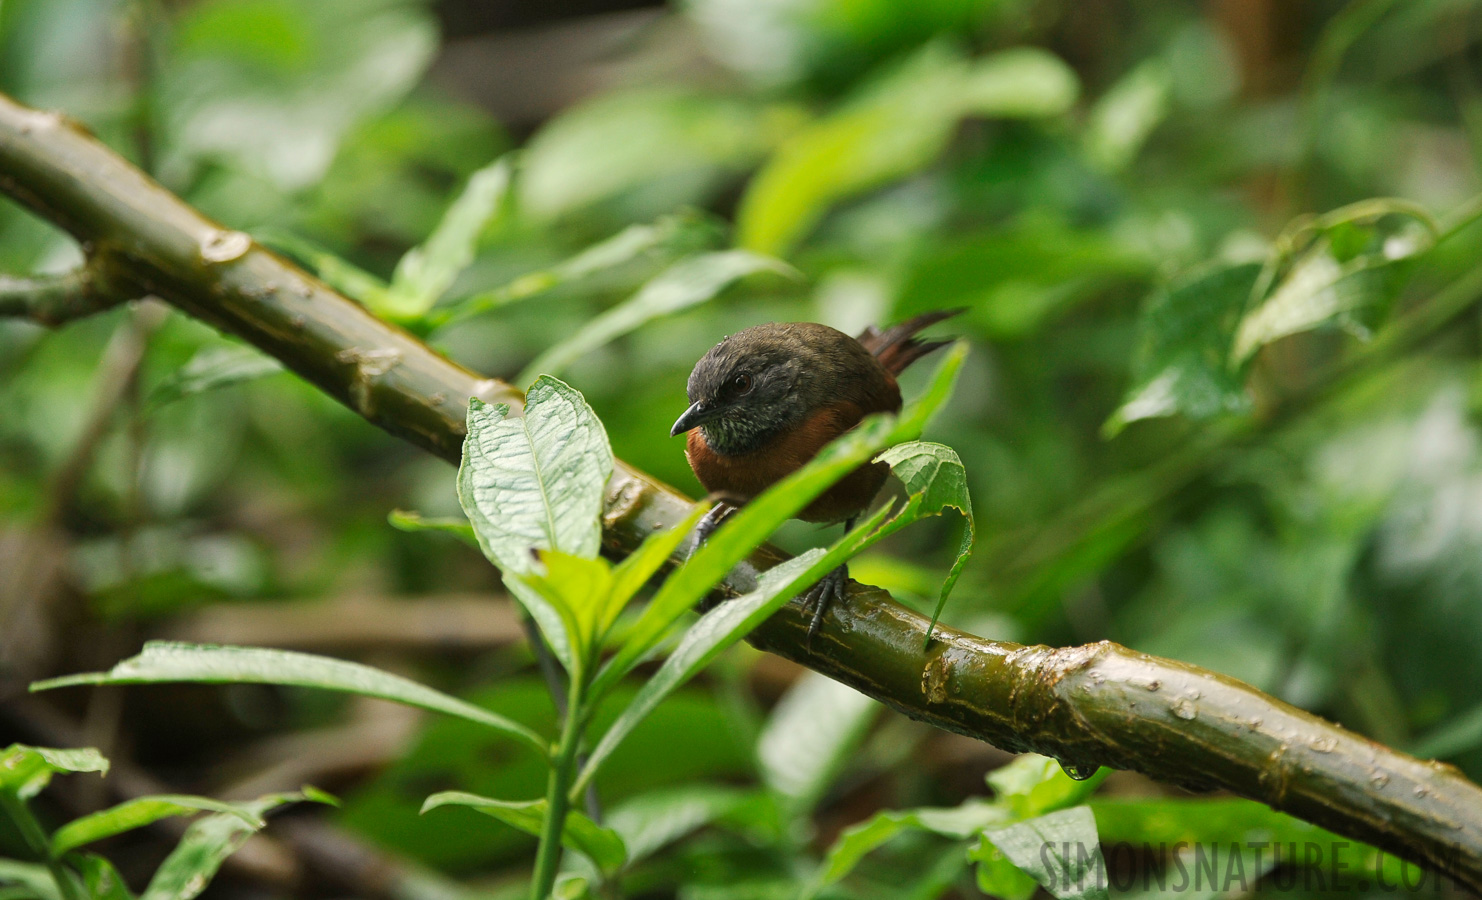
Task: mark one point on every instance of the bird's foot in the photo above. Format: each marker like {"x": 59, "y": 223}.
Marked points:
{"x": 830, "y": 589}
{"x": 709, "y": 522}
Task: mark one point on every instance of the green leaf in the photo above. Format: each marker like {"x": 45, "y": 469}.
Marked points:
{"x": 601, "y": 845}
{"x": 958, "y": 823}
{"x": 746, "y": 529}
{"x": 212, "y": 368}
{"x": 651, "y": 821}
{"x": 168, "y": 661}
{"x": 136, "y": 814}
{"x": 996, "y": 874}
{"x": 580, "y": 590}
{"x": 935, "y": 480}
{"x": 101, "y": 880}
{"x": 1060, "y": 850}
{"x": 536, "y": 482}
{"x": 34, "y": 880}
{"x": 809, "y": 738}
{"x": 206, "y": 845}
{"x": 1127, "y": 114}
{"x": 687, "y": 283}
{"x": 622, "y": 248}
{"x": 405, "y": 520}
{"x": 334, "y": 270}
{"x": 1033, "y": 785}
{"x": 1182, "y": 360}
{"x": 630, "y": 575}
{"x": 26, "y": 770}
{"x": 895, "y": 127}
{"x": 426, "y": 272}
{"x": 722, "y": 627}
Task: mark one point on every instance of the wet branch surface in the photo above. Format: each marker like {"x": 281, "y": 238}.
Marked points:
{"x": 1099, "y": 704}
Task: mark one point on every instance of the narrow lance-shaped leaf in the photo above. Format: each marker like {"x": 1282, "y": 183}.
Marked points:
{"x": 405, "y": 520}
{"x": 426, "y": 272}
{"x": 137, "y": 813}
{"x": 535, "y": 482}
{"x": 187, "y": 871}
{"x": 652, "y": 820}
{"x": 722, "y": 627}
{"x": 743, "y": 531}
{"x": 213, "y": 368}
{"x": 26, "y": 770}
{"x": 167, "y": 661}
{"x": 810, "y": 735}
{"x": 601, "y": 845}
{"x": 935, "y": 480}
{"x": 687, "y": 283}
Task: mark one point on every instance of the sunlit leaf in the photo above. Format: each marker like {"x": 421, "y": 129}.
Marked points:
{"x": 1060, "y": 850}
{"x": 213, "y": 368}
{"x": 26, "y": 770}
{"x": 162, "y": 662}
{"x": 935, "y": 480}
{"x": 896, "y": 126}
{"x": 1127, "y": 113}
{"x": 580, "y": 589}
{"x": 601, "y": 845}
{"x": 687, "y": 283}
{"x": 426, "y": 272}
{"x": 1033, "y": 785}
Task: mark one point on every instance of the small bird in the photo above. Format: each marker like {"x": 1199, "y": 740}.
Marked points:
{"x": 764, "y": 401}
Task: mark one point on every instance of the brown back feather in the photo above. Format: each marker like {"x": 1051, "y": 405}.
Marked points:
{"x": 897, "y": 347}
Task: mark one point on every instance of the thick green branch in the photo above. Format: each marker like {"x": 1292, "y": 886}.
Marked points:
{"x": 1099, "y": 704}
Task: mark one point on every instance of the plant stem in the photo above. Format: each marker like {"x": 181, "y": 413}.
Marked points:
{"x": 35, "y": 837}
{"x": 557, "y": 795}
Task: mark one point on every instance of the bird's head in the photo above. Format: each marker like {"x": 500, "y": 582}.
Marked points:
{"x": 749, "y": 387}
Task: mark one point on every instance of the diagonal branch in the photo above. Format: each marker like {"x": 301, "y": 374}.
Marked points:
{"x": 1097, "y": 704}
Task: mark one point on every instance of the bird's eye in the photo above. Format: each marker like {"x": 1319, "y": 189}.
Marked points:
{"x": 741, "y": 383}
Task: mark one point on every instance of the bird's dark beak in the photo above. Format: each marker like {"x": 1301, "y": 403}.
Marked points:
{"x": 698, "y": 414}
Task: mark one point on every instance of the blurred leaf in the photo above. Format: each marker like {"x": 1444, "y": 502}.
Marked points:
{"x": 101, "y": 879}
{"x": 1033, "y": 785}
{"x": 1218, "y": 820}
{"x": 893, "y": 128}
{"x": 26, "y": 770}
{"x": 536, "y": 482}
{"x": 1182, "y": 360}
{"x": 649, "y": 822}
{"x": 137, "y": 813}
{"x": 810, "y": 737}
{"x": 212, "y": 368}
{"x": 746, "y": 529}
{"x": 187, "y": 871}
{"x": 167, "y": 661}
{"x": 1462, "y": 733}
{"x": 32, "y": 880}
{"x": 1127, "y": 113}
{"x": 1041, "y": 847}
{"x": 679, "y": 141}
{"x": 958, "y": 823}
{"x": 601, "y": 845}
{"x": 996, "y": 874}
{"x": 627, "y": 245}
{"x": 404, "y": 520}
{"x": 687, "y": 283}
{"x": 426, "y": 272}
{"x": 334, "y": 270}
{"x": 270, "y": 87}
{"x": 935, "y": 480}
{"x": 1344, "y": 268}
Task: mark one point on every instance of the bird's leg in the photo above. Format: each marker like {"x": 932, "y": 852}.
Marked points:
{"x": 831, "y": 588}
{"x": 710, "y": 522}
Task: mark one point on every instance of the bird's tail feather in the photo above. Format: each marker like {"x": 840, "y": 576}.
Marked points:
{"x": 897, "y": 347}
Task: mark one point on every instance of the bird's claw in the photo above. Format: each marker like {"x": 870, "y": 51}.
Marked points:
{"x": 831, "y": 589}
{"x": 709, "y": 523}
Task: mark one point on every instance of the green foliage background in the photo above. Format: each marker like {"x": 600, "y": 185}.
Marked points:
{"x": 1100, "y": 185}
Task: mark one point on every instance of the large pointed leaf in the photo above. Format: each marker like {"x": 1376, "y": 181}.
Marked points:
{"x": 535, "y": 482}
{"x": 687, "y": 283}
{"x": 426, "y": 272}
{"x": 26, "y": 770}
{"x": 601, "y": 845}
{"x": 935, "y": 480}
{"x": 168, "y": 661}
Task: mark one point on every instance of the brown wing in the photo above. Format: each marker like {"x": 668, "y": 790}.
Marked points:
{"x": 897, "y": 347}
